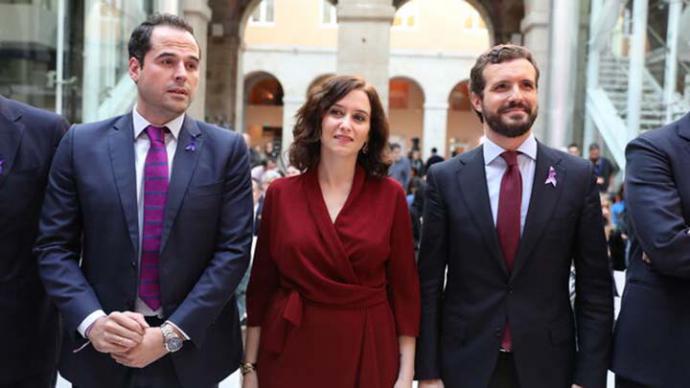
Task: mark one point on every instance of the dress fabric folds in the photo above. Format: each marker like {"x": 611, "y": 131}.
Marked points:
{"x": 331, "y": 298}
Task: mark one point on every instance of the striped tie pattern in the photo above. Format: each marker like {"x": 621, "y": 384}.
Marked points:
{"x": 155, "y": 194}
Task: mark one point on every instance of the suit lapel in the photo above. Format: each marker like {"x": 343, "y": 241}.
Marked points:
{"x": 542, "y": 203}
{"x": 11, "y": 131}
{"x": 472, "y": 181}
{"x": 189, "y": 147}
{"x": 121, "y": 147}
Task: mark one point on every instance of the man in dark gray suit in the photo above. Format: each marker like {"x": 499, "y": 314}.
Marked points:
{"x": 505, "y": 222}
{"x": 28, "y": 139}
{"x": 146, "y": 229}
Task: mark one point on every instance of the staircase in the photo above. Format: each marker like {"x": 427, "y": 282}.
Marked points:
{"x": 613, "y": 78}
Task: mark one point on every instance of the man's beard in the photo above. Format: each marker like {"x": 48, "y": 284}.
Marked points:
{"x": 497, "y": 124}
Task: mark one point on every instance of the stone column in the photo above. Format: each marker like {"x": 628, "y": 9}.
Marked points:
{"x": 198, "y": 14}
{"x": 364, "y": 41}
{"x": 637, "y": 54}
{"x": 675, "y": 7}
{"x": 562, "y": 71}
{"x": 435, "y": 124}
{"x": 535, "y": 31}
{"x": 592, "y": 71}
{"x": 291, "y": 103}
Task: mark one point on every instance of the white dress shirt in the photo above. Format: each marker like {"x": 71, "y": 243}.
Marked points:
{"x": 495, "y": 166}
{"x": 141, "y": 149}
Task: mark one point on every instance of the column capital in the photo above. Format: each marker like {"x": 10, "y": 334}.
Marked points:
{"x": 365, "y": 11}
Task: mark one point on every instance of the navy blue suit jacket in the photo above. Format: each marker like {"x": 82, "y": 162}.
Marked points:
{"x": 28, "y": 139}
{"x": 463, "y": 317}
{"x": 88, "y": 244}
{"x": 652, "y": 335}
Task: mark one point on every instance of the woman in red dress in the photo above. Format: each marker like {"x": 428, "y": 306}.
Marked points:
{"x": 333, "y": 298}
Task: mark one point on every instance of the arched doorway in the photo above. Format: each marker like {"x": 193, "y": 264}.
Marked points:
{"x": 406, "y": 112}
{"x": 464, "y": 128}
{"x": 263, "y": 113}
{"x": 434, "y": 42}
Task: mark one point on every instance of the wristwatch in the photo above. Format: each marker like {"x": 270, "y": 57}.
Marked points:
{"x": 171, "y": 340}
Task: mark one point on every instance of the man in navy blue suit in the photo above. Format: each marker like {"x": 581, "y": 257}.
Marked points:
{"x": 503, "y": 224}
{"x": 28, "y": 139}
{"x": 146, "y": 229}
{"x": 652, "y": 334}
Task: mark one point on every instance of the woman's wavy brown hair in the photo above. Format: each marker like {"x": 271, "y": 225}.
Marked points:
{"x": 306, "y": 147}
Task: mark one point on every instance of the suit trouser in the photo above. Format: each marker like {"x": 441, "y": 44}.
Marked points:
{"x": 44, "y": 380}
{"x": 505, "y": 373}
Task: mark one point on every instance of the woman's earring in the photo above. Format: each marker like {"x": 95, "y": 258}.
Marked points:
{"x": 365, "y": 148}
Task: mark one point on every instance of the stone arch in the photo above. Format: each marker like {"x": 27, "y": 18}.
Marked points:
{"x": 263, "y": 108}
{"x": 406, "y": 100}
{"x": 463, "y": 129}
{"x": 477, "y": 5}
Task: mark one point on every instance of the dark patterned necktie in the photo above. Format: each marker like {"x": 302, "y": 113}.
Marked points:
{"x": 155, "y": 194}
{"x": 508, "y": 221}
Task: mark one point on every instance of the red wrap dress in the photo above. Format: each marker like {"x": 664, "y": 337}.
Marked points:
{"x": 332, "y": 298}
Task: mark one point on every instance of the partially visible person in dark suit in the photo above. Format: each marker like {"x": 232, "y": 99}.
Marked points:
{"x": 417, "y": 163}
{"x": 29, "y": 322}
{"x": 146, "y": 229}
{"x": 433, "y": 159}
{"x": 502, "y": 225}
{"x": 603, "y": 168}
{"x": 652, "y": 335}
{"x": 574, "y": 149}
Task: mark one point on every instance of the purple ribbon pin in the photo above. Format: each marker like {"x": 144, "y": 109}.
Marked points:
{"x": 191, "y": 147}
{"x": 551, "y": 179}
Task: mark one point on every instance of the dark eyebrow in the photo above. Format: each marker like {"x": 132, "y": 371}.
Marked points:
{"x": 336, "y": 105}
{"x": 171, "y": 55}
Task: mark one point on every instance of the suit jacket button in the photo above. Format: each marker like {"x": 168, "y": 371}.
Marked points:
{"x": 134, "y": 264}
{"x": 498, "y": 332}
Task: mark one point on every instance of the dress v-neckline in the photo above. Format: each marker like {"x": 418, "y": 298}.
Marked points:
{"x": 357, "y": 181}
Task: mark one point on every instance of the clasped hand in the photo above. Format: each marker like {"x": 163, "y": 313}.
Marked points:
{"x": 128, "y": 339}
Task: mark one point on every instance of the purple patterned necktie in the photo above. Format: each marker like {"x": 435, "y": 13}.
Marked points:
{"x": 155, "y": 194}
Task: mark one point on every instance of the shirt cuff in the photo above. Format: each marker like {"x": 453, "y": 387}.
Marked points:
{"x": 88, "y": 321}
{"x": 186, "y": 337}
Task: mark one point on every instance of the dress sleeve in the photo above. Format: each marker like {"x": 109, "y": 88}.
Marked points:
{"x": 401, "y": 271}
{"x": 264, "y": 279}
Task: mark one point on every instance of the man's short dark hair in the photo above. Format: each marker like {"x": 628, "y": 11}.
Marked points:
{"x": 395, "y": 146}
{"x": 571, "y": 145}
{"x": 140, "y": 40}
{"x": 498, "y": 54}
{"x": 434, "y": 150}
{"x": 594, "y": 146}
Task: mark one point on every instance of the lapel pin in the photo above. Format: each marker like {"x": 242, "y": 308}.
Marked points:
{"x": 191, "y": 147}
{"x": 551, "y": 179}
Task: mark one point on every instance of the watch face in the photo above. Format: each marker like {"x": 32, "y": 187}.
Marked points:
{"x": 173, "y": 344}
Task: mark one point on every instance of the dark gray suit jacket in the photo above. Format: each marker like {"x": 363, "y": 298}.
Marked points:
{"x": 463, "y": 320}
{"x": 90, "y": 213}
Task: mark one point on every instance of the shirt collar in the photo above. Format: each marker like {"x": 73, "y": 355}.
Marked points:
{"x": 492, "y": 150}
{"x": 140, "y": 124}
